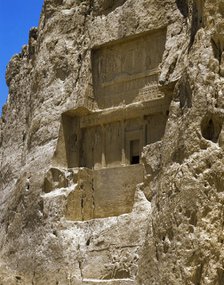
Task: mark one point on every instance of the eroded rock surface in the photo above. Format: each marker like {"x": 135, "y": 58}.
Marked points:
{"x": 111, "y": 146}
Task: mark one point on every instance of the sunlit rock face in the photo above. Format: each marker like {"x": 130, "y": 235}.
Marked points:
{"x": 111, "y": 146}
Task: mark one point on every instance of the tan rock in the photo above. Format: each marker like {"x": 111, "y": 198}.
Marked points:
{"x": 111, "y": 146}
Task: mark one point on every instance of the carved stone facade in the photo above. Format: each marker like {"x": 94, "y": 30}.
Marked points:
{"x": 114, "y": 136}
{"x": 106, "y": 176}
{"x": 126, "y": 71}
{"x": 104, "y": 144}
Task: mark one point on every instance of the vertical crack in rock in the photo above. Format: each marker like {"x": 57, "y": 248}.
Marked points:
{"x": 184, "y": 92}
{"x": 81, "y": 58}
{"x": 183, "y": 7}
{"x": 93, "y": 198}
{"x": 217, "y": 49}
{"x": 197, "y": 19}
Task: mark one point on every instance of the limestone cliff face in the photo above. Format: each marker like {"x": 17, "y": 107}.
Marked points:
{"x": 169, "y": 227}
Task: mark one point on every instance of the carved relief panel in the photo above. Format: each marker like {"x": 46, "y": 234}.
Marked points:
{"x": 122, "y": 69}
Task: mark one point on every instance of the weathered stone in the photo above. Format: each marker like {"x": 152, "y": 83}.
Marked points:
{"x": 111, "y": 146}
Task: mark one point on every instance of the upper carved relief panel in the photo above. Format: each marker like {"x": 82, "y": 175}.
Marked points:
{"x": 122, "y": 70}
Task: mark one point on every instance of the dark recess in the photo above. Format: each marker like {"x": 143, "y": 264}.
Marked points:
{"x": 182, "y": 5}
{"x": 217, "y": 49}
{"x": 197, "y": 19}
{"x": 184, "y": 92}
{"x": 210, "y": 128}
{"x": 135, "y": 159}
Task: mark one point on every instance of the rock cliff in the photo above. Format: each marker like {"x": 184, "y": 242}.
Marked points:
{"x": 111, "y": 146}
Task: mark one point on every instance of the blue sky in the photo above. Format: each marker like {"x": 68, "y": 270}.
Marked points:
{"x": 16, "y": 19}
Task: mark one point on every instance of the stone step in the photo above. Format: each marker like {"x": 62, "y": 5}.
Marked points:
{"x": 108, "y": 282}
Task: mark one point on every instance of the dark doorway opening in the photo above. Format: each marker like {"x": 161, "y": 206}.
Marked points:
{"x": 135, "y": 159}
{"x": 134, "y": 152}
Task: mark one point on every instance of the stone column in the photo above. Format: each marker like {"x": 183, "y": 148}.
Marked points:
{"x": 103, "y": 147}
{"x": 123, "y": 156}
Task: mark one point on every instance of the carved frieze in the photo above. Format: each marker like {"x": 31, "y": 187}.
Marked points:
{"x": 122, "y": 69}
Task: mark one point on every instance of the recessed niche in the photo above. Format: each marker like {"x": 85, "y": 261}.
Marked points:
{"x": 111, "y": 139}
{"x": 135, "y": 148}
{"x": 210, "y": 128}
{"x": 126, "y": 70}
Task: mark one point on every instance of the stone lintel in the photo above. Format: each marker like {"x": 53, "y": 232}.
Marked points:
{"x": 120, "y": 113}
